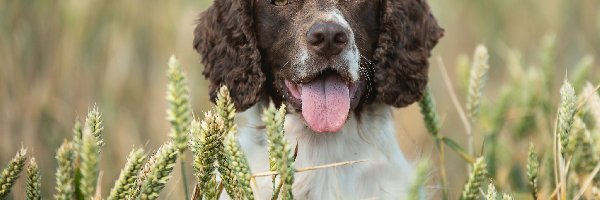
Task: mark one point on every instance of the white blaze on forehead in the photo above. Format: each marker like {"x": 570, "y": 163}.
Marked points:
{"x": 336, "y": 16}
{"x": 351, "y": 54}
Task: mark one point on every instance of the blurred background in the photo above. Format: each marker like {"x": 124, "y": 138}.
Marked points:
{"x": 58, "y": 58}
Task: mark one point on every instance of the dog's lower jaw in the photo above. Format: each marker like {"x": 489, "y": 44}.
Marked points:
{"x": 385, "y": 175}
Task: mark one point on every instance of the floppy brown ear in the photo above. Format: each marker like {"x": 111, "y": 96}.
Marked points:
{"x": 225, "y": 39}
{"x": 408, "y": 33}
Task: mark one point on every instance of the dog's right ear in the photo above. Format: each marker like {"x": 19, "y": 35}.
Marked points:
{"x": 225, "y": 39}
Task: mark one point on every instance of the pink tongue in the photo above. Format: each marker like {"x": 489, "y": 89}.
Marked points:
{"x": 325, "y": 104}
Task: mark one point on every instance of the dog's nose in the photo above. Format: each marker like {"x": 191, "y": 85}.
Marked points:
{"x": 327, "y": 39}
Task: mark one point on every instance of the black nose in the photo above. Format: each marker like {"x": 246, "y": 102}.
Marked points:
{"x": 327, "y": 39}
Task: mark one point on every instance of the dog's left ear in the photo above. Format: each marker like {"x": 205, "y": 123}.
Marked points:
{"x": 225, "y": 39}
{"x": 408, "y": 33}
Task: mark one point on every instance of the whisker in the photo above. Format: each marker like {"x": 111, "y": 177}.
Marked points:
{"x": 366, "y": 70}
{"x": 370, "y": 62}
{"x": 366, "y": 59}
{"x": 285, "y": 64}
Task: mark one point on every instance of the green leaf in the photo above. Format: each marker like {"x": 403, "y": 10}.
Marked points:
{"x": 458, "y": 149}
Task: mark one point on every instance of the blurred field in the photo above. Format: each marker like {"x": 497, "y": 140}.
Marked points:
{"x": 57, "y": 58}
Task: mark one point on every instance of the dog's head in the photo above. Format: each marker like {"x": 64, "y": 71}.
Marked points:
{"x": 326, "y": 58}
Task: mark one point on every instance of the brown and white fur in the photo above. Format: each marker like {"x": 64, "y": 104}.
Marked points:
{"x": 364, "y": 57}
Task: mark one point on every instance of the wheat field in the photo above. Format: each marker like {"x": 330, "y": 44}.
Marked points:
{"x": 63, "y": 59}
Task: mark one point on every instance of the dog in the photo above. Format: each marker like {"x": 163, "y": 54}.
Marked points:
{"x": 340, "y": 66}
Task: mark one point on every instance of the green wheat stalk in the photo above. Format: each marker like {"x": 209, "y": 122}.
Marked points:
{"x": 280, "y": 152}
{"x": 585, "y": 158}
{"x": 224, "y": 168}
{"x": 432, "y": 123}
{"x": 33, "y": 189}
{"x": 239, "y": 166}
{"x": 507, "y": 197}
{"x": 89, "y": 156}
{"x": 94, "y": 122}
{"x": 463, "y": 68}
{"x": 156, "y": 173}
{"x": 477, "y": 81}
{"x": 499, "y": 116}
{"x": 430, "y": 116}
{"x": 11, "y": 173}
{"x": 582, "y": 70}
{"x": 548, "y": 163}
{"x": 134, "y": 192}
{"x": 205, "y": 138}
{"x": 492, "y": 193}
{"x": 274, "y": 125}
{"x": 179, "y": 108}
{"x": 77, "y": 144}
{"x": 593, "y": 104}
{"x": 533, "y": 167}
{"x": 576, "y": 140}
{"x": 529, "y": 101}
{"x": 65, "y": 178}
{"x": 547, "y": 59}
{"x": 179, "y": 112}
{"x": 211, "y": 192}
{"x": 514, "y": 64}
{"x": 77, "y": 135}
{"x": 566, "y": 113}
{"x": 498, "y": 119}
{"x": 476, "y": 178}
{"x": 417, "y": 191}
{"x": 128, "y": 176}
{"x": 225, "y": 110}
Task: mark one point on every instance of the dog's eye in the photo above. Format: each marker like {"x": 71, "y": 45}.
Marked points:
{"x": 279, "y": 2}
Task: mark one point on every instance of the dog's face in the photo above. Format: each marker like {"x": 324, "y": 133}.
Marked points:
{"x": 314, "y": 49}
{"x": 326, "y": 58}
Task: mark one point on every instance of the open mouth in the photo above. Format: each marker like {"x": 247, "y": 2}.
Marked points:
{"x": 325, "y": 102}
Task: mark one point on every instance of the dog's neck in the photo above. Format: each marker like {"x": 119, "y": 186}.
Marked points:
{"x": 373, "y": 130}
{"x": 370, "y": 137}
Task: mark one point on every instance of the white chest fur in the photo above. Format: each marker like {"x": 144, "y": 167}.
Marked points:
{"x": 386, "y": 174}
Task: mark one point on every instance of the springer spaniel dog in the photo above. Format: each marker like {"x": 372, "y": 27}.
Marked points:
{"x": 340, "y": 66}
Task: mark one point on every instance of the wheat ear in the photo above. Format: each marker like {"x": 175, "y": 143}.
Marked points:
{"x": 476, "y": 178}
{"x": 65, "y": 176}
{"x": 11, "y": 173}
{"x": 128, "y": 176}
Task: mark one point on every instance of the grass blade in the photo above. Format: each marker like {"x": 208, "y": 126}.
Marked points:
{"x": 458, "y": 149}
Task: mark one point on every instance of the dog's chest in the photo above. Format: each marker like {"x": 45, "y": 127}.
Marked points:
{"x": 385, "y": 174}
